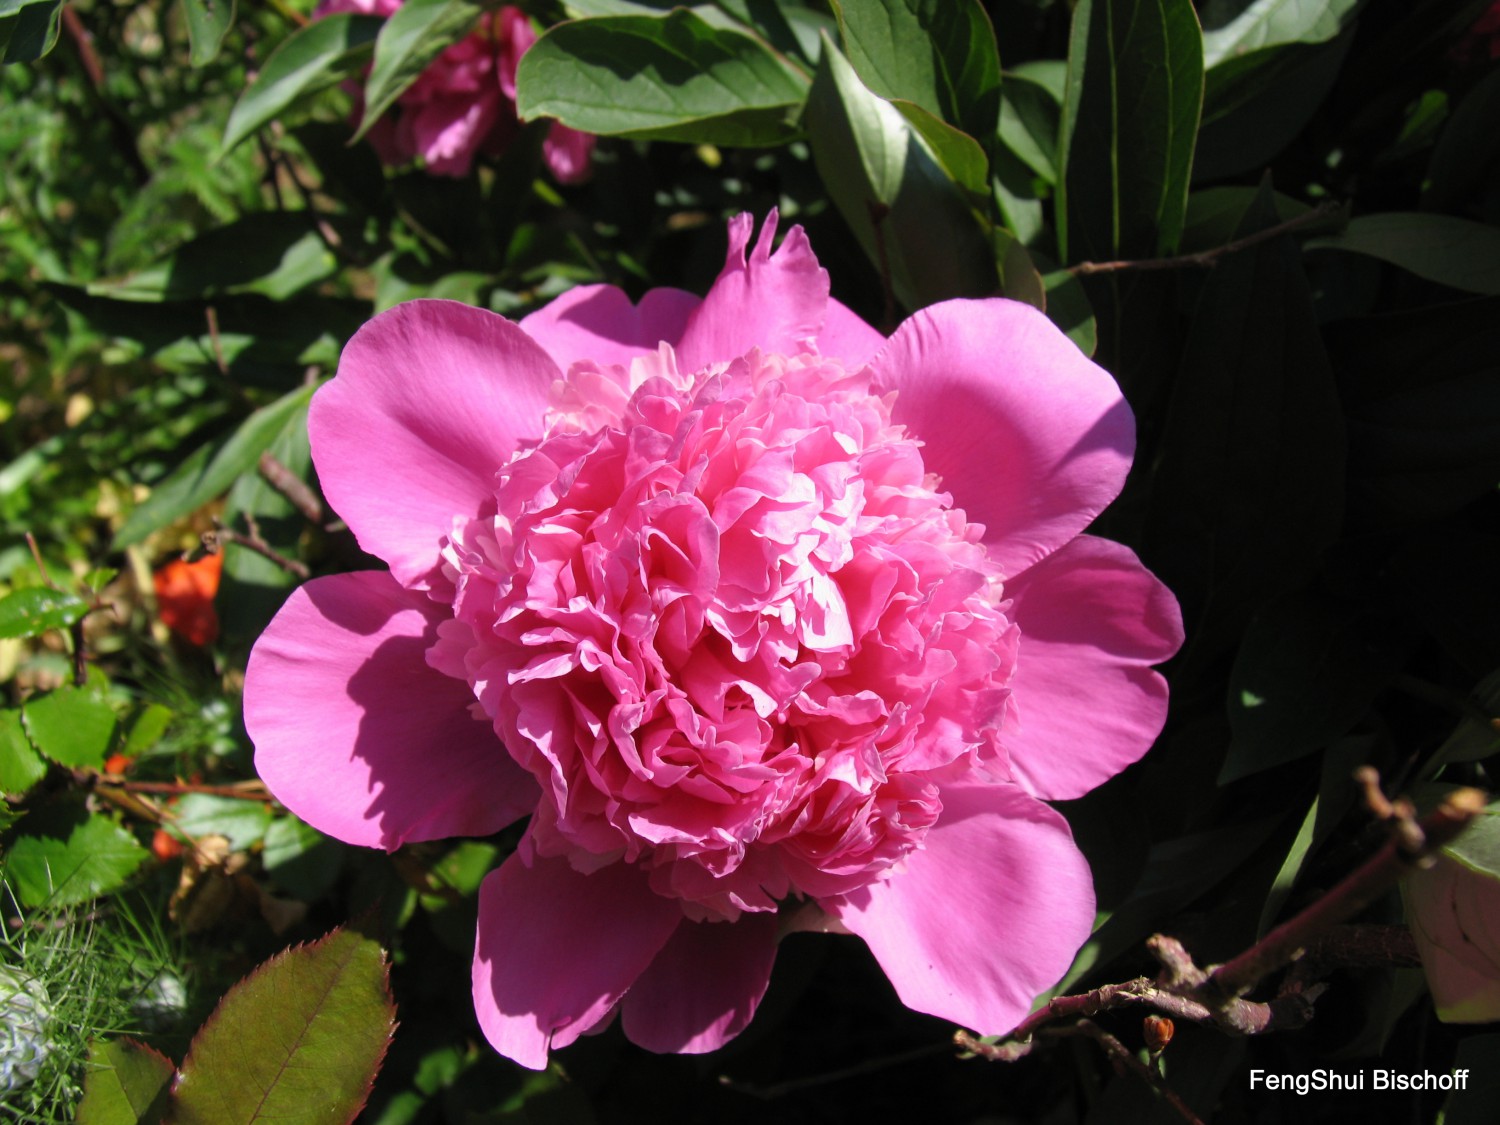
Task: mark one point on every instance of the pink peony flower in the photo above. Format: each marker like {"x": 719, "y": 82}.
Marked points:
{"x": 464, "y": 103}
{"x": 766, "y": 621}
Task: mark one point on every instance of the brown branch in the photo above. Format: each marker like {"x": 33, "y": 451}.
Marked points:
{"x": 211, "y": 315}
{"x": 213, "y": 542}
{"x": 1207, "y": 259}
{"x": 243, "y": 790}
{"x": 1125, "y": 1059}
{"x": 1376, "y": 876}
{"x": 293, "y": 487}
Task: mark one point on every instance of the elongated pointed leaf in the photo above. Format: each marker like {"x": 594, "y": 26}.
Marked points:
{"x": 672, "y": 78}
{"x": 297, "y": 1042}
{"x": 126, "y": 1084}
{"x": 210, "y": 471}
{"x": 906, "y": 211}
{"x": 311, "y": 59}
{"x": 1134, "y": 94}
{"x": 1441, "y": 248}
{"x": 207, "y": 23}
{"x": 939, "y": 54}
{"x": 417, "y": 32}
{"x": 1234, "y": 28}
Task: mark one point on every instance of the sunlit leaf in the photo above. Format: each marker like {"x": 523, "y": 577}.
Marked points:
{"x": 415, "y": 34}
{"x": 34, "y": 610}
{"x": 73, "y": 726}
{"x": 125, "y": 1084}
{"x": 207, "y": 23}
{"x": 20, "y": 765}
{"x": 310, "y": 59}
{"x": 674, "y": 78}
{"x": 60, "y": 859}
{"x": 297, "y": 1042}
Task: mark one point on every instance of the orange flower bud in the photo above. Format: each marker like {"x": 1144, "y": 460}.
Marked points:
{"x": 1158, "y": 1031}
{"x": 185, "y": 598}
{"x": 165, "y": 846}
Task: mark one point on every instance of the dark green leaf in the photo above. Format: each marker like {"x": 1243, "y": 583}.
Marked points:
{"x": 146, "y": 730}
{"x": 1478, "y": 848}
{"x": 939, "y": 54}
{"x": 1454, "y": 252}
{"x": 126, "y": 1084}
{"x": 1467, "y": 151}
{"x": 275, "y": 253}
{"x": 1214, "y": 214}
{"x": 207, "y": 23}
{"x": 298, "y": 1041}
{"x": 902, "y": 206}
{"x": 415, "y": 34}
{"x": 61, "y": 861}
{"x": 28, "y": 29}
{"x": 1307, "y": 670}
{"x": 210, "y": 471}
{"x": 1135, "y": 88}
{"x": 20, "y": 765}
{"x": 1029, "y": 122}
{"x": 311, "y": 59}
{"x": 73, "y": 726}
{"x": 673, "y": 78}
{"x": 242, "y": 823}
{"x": 300, "y": 859}
{"x": 34, "y": 610}
{"x": 1478, "y": 1059}
{"x": 1249, "y": 484}
{"x": 1068, "y": 307}
{"x": 1474, "y": 739}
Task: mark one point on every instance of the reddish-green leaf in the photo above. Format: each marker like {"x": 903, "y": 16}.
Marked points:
{"x": 297, "y": 1041}
{"x": 126, "y": 1084}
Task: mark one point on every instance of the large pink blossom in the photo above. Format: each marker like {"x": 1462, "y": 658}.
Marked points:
{"x": 464, "y": 103}
{"x": 766, "y": 621}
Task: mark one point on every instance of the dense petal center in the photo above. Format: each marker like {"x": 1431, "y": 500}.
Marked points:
{"x": 733, "y": 628}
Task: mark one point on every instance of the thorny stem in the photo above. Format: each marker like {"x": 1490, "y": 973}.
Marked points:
{"x": 1207, "y": 259}
{"x": 1215, "y": 996}
{"x": 1124, "y": 1059}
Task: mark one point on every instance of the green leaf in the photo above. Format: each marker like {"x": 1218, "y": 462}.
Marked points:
{"x": 20, "y": 765}
{"x": 1029, "y": 122}
{"x": 1473, "y": 739}
{"x": 207, "y": 23}
{"x": 300, "y": 859}
{"x": 1478, "y": 848}
{"x": 1249, "y": 482}
{"x": 1466, "y": 150}
{"x": 1307, "y": 670}
{"x": 416, "y": 33}
{"x": 939, "y": 54}
{"x": 242, "y": 823}
{"x": 1234, "y": 28}
{"x": 958, "y": 153}
{"x": 298, "y": 1041}
{"x": 126, "y": 1084}
{"x": 34, "y": 610}
{"x": 673, "y": 78}
{"x": 73, "y": 726}
{"x": 900, "y": 203}
{"x": 63, "y": 860}
{"x": 1454, "y": 252}
{"x": 1134, "y": 93}
{"x": 252, "y": 587}
{"x": 210, "y": 470}
{"x": 275, "y": 253}
{"x": 146, "y": 729}
{"x": 28, "y": 29}
{"x": 310, "y": 59}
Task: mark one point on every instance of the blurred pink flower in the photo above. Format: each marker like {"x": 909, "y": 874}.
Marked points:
{"x": 464, "y": 103}
{"x": 1454, "y": 914}
{"x": 766, "y": 621}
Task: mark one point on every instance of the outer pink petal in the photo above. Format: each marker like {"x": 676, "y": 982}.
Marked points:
{"x": 704, "y": 986}
{"x": 768, "y": 301}
{"x": 1093, "y": 620}
{"x": 598, "y": 322}
{"x": 358, "y": 736}
{"x": 430, "y": 400}
{"x": 846, "y": 337}
{"x": 986, "y": 916}
{"x": 1030, "y": 437}
{"x": 557, "y": 950}
{"x": 568, "y": 153}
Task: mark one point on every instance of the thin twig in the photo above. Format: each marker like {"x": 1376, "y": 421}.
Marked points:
{"x": 781, "y": 1089}
{"x": 211, "y": 315}
{"x": 213, "y": 542}
{"x": 243, "y": 791}
{"x": 41, "y": 566}
{"x": 293, "y": 487}
{"x": 1207, "y": 259}
{"x": 83, "y": 43}
{"x": 1124, "y": 1059}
